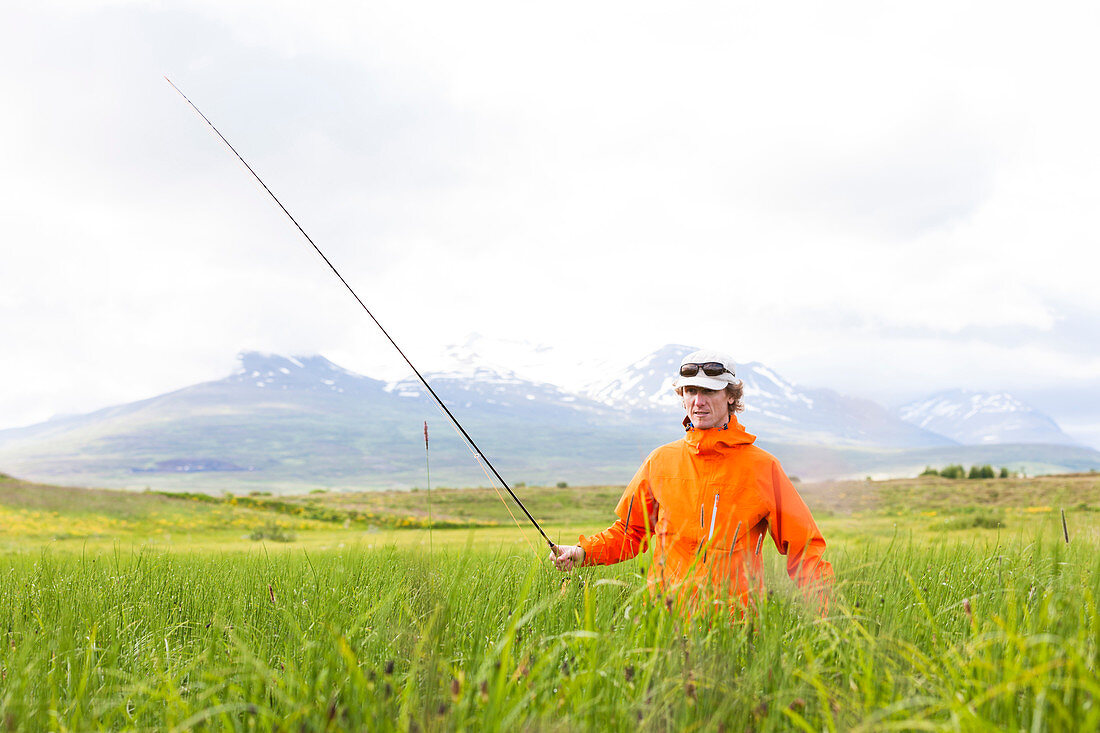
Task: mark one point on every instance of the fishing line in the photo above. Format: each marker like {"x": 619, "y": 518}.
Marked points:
{"x": 480, "y": 464}
{"x": 428, "y": 473}
{"x": 473, "y": 446}
{"x": 477, "y": 459}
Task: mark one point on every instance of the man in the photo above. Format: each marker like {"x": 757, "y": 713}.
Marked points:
{"x": 708, "y": 499}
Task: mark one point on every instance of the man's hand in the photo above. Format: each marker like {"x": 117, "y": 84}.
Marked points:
{"x": 567, "y": 557}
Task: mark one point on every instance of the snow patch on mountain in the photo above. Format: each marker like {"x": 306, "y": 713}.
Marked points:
{"x": 786, "y": 389}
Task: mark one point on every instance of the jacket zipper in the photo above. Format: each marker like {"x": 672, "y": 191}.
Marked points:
{"x": 713, "y": 516}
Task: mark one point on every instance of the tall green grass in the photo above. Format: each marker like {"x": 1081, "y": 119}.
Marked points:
{"x": 918, "y": 636}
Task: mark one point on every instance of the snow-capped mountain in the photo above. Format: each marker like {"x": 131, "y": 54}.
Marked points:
{"x": 468, "y": 385}
{"x": 775, "y": 409}
{"x": 975, "y": 418}
{"x": 519, "y": 358}
{"x": 295, "y": 422}
{"x": 644, "y": 385}
{"x": 275, "y": 373}
{"x": 496, "y": 390}
{"x": 298, "y": 422}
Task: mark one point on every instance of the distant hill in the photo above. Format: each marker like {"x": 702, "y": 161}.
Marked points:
{"x": 295, "y": 423}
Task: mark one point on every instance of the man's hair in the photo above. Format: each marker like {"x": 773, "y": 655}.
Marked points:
{"x": 735, "y": 391}
{"x": 732, "y": 390}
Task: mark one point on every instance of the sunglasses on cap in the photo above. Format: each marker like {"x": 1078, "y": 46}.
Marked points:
{"x": 710, "y": 368}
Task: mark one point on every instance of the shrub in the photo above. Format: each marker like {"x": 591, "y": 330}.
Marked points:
{"x": 975, "y": 521}
{"x": 562, "y": 485}
{"x": 929, "y": 471}
{"x": 1004, "y": 472}
{"x": 273, "y": 532}
{"x": 953, "y": 471}
{"x": 985, "y": 521}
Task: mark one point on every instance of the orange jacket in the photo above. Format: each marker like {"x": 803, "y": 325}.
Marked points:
{"x": 707, "y": 499}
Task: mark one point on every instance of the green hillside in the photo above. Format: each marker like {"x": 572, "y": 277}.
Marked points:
{"x": 32, "y": 514}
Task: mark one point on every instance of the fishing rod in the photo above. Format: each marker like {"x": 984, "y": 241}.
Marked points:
{"x": 478, "y": 455}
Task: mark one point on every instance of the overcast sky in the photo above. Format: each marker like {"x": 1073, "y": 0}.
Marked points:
{"x": 885, "y": 199}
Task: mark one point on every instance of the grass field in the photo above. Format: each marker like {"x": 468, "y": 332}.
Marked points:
{"x": 958, "y": 606}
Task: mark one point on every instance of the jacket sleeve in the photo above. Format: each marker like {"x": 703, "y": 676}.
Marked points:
{"x": 636, "y": 515}
{"x": 796, "y": 535}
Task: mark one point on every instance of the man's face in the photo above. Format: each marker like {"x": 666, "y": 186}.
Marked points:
{"x": 706, "y": 408}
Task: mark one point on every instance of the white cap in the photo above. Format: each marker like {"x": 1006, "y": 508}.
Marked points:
{"x": 702, "y": 380}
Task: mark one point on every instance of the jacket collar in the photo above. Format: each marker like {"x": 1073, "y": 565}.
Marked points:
{"x": 716, "y": 440}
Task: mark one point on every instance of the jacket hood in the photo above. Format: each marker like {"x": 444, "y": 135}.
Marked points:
{"x": 714, "y": 440}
